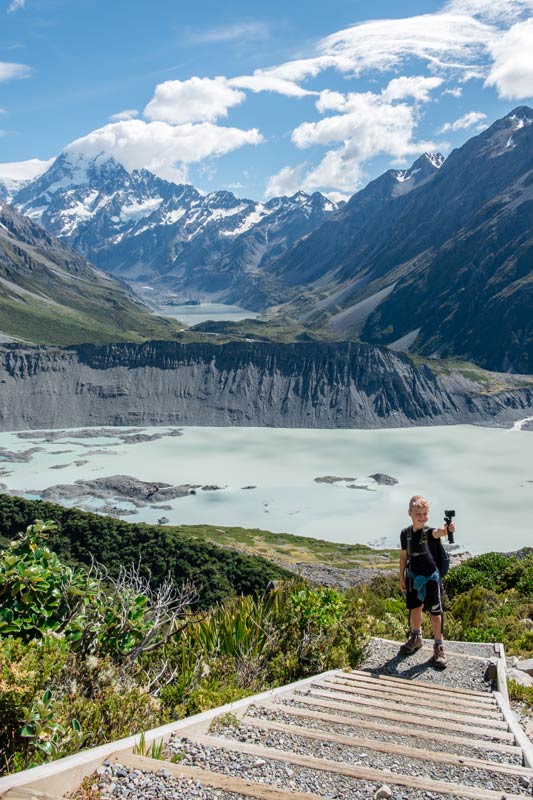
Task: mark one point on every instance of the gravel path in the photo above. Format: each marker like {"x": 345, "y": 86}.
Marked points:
{"x": 382, "y": 657}
{"x": 351, "y": 729}
{"x": 366, "y": 757}
{"x": 347, "y": 692}
{"x": 353, "y": 714}
{"x": 294, "y": 778}
{"x": 117, "y": 781}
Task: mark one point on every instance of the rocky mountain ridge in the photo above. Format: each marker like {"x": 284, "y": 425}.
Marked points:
{"x": 446, "y": 269}
{"x": 311, "y": 385}
{"x": 50, "y": 293}
{"x": 148, "y": 230}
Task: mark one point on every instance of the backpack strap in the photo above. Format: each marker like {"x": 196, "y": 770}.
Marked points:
{"x": 409, "y": 540}
{"x": 427, "y": 549}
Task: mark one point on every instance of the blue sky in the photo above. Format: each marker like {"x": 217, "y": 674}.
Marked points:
{"x": 262, "y": 99}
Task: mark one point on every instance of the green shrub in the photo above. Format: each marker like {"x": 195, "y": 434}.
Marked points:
{"x": 484, "y": 570}
{"x": 524, "y": 694}
{"x": 518, "y": 574}
{"x": 38, "y": 593}
{"x": 27, "y": 671}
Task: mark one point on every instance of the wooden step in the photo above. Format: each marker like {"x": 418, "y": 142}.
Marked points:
{"x": 415, "y": 698}
{"x": 420, "y": 711}
{"x": 418, "y": 690}
{"x": 422, "y": 684}
{"x": 216, "y": 780}
{"x": 357, "y": 772}
{"x": 480, "y": 744}
{"x": 436, "y": 756}
{"x": 320, "y": 700}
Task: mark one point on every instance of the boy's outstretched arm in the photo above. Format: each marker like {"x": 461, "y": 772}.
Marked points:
{"x": 403, "y": 564}
{"x": 438, "y": 533}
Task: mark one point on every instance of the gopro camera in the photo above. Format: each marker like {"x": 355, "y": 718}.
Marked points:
{"x": 448, "y": 517}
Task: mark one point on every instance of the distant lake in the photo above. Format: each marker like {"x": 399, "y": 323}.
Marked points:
{"x": 218, "y": 312}
{"x": 486, "y": 474}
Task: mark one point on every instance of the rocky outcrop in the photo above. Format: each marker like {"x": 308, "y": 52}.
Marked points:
{"x": 307, "y": 385}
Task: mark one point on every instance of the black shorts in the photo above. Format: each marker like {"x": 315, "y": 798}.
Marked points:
{"x": 432, "y": 601}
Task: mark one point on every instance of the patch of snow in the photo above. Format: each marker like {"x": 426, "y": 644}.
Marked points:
{"x": 135, "y": 211}
{"x": 220, "y": 213}
{"x": 510, "y": 142}
{"x": 259, "y": 213}
{"x": 436, "y": 159}
{"x": 35, "y": 212}
{"x": 173, "y": 216}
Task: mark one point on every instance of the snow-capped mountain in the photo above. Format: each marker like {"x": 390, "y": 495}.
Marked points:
{"x": 149, "y": 230}
{"x": 420, "y": 172}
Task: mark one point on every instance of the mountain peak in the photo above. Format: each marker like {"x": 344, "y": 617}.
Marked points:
{"x": 435, "y": 159}
{"x": 524, "y": 113}
{"x": 521, "y": 115}
{"x": 420, "y": 171}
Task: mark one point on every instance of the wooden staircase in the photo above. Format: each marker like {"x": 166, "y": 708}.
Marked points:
{"x": 356, "y": 734}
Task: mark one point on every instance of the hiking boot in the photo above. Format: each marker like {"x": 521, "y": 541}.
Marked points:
{"x": 413, "y": 644}
{"x": 439, "y": 656}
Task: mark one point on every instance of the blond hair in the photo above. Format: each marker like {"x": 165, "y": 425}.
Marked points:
{"x": 417, "y": 501}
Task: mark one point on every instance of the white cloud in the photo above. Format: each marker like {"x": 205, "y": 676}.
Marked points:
{"x": 464, "y": 122}
{"x": 368, "y": 125}
{"x": 128, "y": 113}
{"x": 228, "y": 33}
{"x": 285, "y": 182}
{"x": 340, "y": 170}
{"x": 446, "y": 41}
{"x": 494, "y": 11}
{"x": 455, "y": 92}
{"x": 9, "y": 71}
{"x": 264, "y": 81}
{"x": 512, "y": 70}
{"x": 15, "y": 5}
{"x": 161, "y": 148}
{"x": 416, "y": 86}
{"x": 24, "y": 170}
{"x": 193, "y": 100}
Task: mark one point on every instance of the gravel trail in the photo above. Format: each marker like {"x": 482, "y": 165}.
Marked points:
{"x": 382, "y": 657}
{"x": 288, "y": 776}
{"x": 366, "y": 757}
{"x": 351, "y": 729}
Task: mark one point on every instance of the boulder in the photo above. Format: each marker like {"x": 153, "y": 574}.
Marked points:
{"x": 520, "y": 677}
{"x": 525, "y": 666}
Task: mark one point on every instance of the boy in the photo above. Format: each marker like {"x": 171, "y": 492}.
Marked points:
{"x": 421, "y": 582}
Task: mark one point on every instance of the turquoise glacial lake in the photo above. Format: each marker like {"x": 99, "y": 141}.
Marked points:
{"x": 485, "y": 474}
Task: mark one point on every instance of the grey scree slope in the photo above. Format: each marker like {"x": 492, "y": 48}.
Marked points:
{"x": 300, "y": 385}
{"x": 395, "y": 728}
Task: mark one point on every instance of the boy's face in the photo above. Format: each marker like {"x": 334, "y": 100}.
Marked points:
{"x": 419, "y": 516}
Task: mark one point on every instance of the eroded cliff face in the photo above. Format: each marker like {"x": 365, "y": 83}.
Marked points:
{"x": 314, "y": 385}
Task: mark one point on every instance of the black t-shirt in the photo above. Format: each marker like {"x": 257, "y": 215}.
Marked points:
{"x": 419, "y": 561}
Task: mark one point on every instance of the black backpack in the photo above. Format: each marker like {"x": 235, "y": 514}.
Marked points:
{"x": 442, "y": 560}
